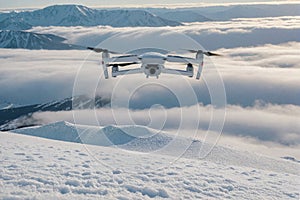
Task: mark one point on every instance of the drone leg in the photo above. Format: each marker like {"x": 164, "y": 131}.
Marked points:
{"x": 105, "y": 56}
{"x": 178, "y": 72}
{"x": 105, "y": 72}
{"x": 200, "y": 67}
{"x": 199, "y": 57}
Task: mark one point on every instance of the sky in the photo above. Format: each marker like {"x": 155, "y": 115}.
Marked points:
{"x": 4, "y": 4}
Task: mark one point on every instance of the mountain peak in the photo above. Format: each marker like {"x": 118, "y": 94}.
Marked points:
{"x": 68, "y": 9}
{"x": 61, "y": 124}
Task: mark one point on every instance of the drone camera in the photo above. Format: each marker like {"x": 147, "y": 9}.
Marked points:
{"x": 114, "y": 70}
{"x": 190, "y": 69}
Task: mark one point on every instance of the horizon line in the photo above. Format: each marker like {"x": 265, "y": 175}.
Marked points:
{"x": 167, "y": 6}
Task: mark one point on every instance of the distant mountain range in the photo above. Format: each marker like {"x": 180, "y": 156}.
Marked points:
{"x": 30, "y": 40}
{"x": 227, "y": 12}
{"x": 184, "y": 16}
{"x": 16, "y": 117}
{"x": 78, "y": 15}
{"x": 254, "y": 11}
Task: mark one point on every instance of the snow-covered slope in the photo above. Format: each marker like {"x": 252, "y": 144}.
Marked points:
{"x": 33, "y": 167}
{"x": 77, "y": 15}
{"x": 184, "y": 16}
{"x": 29, "y": 40}
{"x": 143, "y": 139}
{"x": 129, "y": 137}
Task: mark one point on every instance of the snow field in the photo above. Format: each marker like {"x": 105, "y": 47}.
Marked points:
{"x": 32, "y": 167}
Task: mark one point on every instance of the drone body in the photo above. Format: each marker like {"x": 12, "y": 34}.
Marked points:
{"x": 152, "y": 64}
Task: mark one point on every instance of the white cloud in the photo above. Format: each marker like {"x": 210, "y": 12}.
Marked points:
{"x": 35, "y": 76}
{"x": 268, "y": 123}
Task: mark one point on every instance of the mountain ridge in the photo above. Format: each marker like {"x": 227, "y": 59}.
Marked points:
{"x": 78, "y": 15}
{"x": 17, "y": 117}
{"x": 31, "y": 40}
{"x": 184, "y": 16}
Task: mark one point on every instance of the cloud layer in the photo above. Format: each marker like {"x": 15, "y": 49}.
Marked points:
{"x": 269, "y": 123}
{"x": 240, "y": 32}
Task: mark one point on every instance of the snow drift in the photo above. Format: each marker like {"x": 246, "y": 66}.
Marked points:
{"x": 126, "y": 136}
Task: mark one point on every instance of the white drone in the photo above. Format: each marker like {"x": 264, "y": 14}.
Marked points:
{"x": 152, "y": 63}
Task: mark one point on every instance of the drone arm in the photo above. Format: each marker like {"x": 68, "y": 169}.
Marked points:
{"x": 178, "y": 72}
{"x": 200, "y": 67}
{"x": 180, "y": 59}
{"x": 124, "y": 59}
{"x": 127, "y": 71}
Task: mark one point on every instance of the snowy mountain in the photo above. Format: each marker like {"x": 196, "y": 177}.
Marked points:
{"x": 184, "y": 16}
{"x": 134, "y": 18}
{"x": 14, "y": 24}
{"x": 45, "y": 168}
{"x": 7, "y": 105}
{"x": 77, "y": 15}
{"x": 29, "y": 40}
{"x": 15, "y": 117}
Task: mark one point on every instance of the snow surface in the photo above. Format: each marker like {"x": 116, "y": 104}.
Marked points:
{"x": 34, "y": 167}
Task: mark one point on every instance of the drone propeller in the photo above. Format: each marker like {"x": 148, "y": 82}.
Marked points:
{"x": 100, "y": 50}
{"x": 207, "y": 53}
